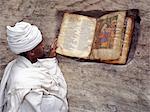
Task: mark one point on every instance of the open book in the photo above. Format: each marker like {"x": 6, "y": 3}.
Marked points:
{"x": 106, "y": 39}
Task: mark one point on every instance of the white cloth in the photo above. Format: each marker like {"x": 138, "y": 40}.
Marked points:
{"x": 23, "y": 37}
{"x": 38, "y": 87}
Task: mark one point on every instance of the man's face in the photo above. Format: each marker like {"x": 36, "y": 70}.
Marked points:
{"x": 39, "y": 50}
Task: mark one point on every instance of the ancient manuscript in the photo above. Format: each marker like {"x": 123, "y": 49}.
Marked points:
{"x": 106, "y": 39}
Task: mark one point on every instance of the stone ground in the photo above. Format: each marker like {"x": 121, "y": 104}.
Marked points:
{"x": 92, "y": 87}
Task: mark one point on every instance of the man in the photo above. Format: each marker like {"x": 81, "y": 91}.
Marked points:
{"x": 31, "y": 83}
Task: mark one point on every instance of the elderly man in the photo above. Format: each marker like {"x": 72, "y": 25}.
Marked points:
{"x": 31, "y": 83}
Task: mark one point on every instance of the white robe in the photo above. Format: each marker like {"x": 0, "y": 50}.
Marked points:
{"x": 38, "y": 87}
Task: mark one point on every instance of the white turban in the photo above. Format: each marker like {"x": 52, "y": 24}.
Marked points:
{"x": 23, "y": 37}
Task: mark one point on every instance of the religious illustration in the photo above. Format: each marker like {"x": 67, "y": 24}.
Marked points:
{"x": 106, "y": 35}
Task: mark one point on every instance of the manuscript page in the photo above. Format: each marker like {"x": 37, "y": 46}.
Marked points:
{"x": 108, "y": 38}
{"x": 126, "y": 43}
{"x": 76, "y": 35}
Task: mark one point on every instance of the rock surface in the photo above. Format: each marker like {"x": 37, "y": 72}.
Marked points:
{"x": 92, "y": 87}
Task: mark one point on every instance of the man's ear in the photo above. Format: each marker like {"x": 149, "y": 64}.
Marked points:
{"x": 31, "y": 56}
{"x": 31, "y": 53}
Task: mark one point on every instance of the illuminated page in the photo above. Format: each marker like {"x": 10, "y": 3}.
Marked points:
{"x": 107, "y": 42}
{"x": 76, "y": 35}
{"x": 126, "y": 43}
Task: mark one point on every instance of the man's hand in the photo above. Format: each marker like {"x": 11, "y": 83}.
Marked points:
{"x": 53, "y": 47}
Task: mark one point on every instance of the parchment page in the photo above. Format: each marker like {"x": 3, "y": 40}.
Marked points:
{"x": 76, "y": 35}
{"x": 126, "y": 42}
{"x": 108, "y": 38}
